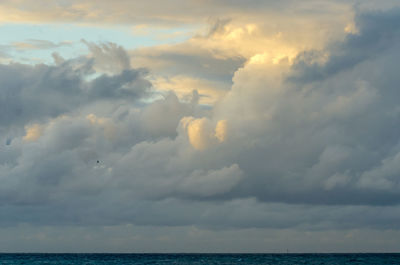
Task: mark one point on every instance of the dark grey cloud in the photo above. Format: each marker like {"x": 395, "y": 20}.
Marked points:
{"x": 378, "y": 31}
{"x": 33, "y": 93}
{"x": 128, "y": 84}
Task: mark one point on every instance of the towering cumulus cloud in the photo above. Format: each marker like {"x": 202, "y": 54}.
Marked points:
{"x": 316, "y": 134}
{"x": 305, "y": 141}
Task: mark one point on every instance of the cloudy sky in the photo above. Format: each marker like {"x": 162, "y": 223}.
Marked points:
{"x": 199, "y": 126}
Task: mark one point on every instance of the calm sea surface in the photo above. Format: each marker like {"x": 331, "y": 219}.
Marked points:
{"x": 87, "y": 259}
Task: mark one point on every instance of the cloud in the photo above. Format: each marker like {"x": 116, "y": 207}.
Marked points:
{"x": 33, "y": 133}
{"x": 188, "y": 60}
{"x": 109, "y": 57}
{"x": 208, "y": 60}
{"x": 34, "y": 93}
{"x": 221, "y": 130}
{"x": 318, "y": 137}
{"x": 33, "y": 44}
{"x": 209, "y": 91}
{"x": 369, "y": 40}
{"x": 189, "y": 66}
{"x": 155, "y": 11}
{"x": 290, "y": 146}
{"x": 161, "y": 118}
{"x": 204, "y": 184}
{"x": 201, "y": 133}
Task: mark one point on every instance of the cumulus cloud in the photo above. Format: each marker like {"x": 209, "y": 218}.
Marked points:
{"x": 33, "y": 93}
{"x": 209, "y": 59}
{"x": 320, "y": 129}
{"x": 308, "y": 144}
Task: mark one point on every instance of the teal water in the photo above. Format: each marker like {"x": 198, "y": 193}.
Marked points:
{"x": 89, "y": 259}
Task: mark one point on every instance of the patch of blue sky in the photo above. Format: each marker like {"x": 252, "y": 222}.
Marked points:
{"x": 130, "y": 37}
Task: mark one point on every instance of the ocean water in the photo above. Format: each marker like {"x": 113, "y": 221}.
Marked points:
{"x": 126, "y": 259}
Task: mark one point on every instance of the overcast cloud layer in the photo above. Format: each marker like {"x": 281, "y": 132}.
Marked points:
{"x": 200, "y": 139}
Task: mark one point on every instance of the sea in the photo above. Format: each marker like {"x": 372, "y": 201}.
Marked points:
{"x": 126, "y": 259}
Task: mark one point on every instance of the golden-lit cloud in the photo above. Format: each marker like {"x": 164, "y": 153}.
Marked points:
{"x": 202, "y": 134}
{"x": 208, "y": 60}
{"x": 33, "y": 132}
{"x": 199, "y": 132}
{"x": 248, "y": 40}
{"x": 221, "y": 130}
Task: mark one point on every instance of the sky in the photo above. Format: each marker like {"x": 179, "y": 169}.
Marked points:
{"x": 199, "y": 126}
